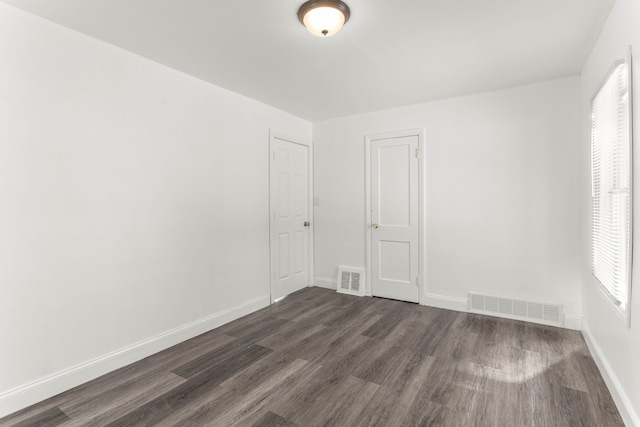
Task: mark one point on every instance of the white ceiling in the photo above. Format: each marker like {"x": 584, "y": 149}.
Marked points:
{"x": 390, "y": 53}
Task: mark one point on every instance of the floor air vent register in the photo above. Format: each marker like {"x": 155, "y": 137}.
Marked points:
{"x": 547, "y": 314}
{"x": 351, "y": 281}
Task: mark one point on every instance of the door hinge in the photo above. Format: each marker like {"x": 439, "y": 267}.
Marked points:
{"x": 274, "y": 154}
{"x": 417, "y": 281}
{"x": 418, "y": 152}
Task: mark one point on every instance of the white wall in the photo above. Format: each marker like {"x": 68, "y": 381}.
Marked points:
{"x": 133, "y": 200}
{"x": 616, "y": 347}
{"x": 503, "y": 193}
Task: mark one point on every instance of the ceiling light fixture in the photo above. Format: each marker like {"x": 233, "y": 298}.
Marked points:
{"x": 324, "y": 18}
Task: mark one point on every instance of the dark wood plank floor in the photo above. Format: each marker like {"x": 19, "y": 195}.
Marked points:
{"x": 323, "y": 358}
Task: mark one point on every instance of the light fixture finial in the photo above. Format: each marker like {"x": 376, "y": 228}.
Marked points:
{"x": 324, "y": 18}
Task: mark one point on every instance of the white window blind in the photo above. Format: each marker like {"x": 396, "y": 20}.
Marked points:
{"x": 611, "y": 186}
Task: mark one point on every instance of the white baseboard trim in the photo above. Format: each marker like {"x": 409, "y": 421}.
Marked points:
{"x": 622, "y": 401}
{"x": 573, "y": 322}
{"x": 325, "y": 282}
{"x": 20, "y": 397}
{"x": 441, "y": 301}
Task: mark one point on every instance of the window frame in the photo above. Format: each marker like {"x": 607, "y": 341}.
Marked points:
{"x": 626, "y": 312}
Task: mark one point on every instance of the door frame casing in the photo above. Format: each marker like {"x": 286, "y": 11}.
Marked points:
{"x": 421, "y": 206}
{"x": 273, "y": 135}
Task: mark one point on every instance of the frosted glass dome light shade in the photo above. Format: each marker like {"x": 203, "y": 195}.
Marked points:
{"x": 323, "y": 18}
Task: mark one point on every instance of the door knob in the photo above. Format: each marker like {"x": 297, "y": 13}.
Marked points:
{"x": 307, "y": 223}
{"x": 376, "y": 225}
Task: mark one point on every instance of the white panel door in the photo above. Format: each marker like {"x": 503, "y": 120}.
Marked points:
{"x": 290, "y": 225}
{"x": 394, "y": 216}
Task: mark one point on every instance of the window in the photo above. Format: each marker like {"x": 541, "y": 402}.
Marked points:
{"x": 611, "y": 186}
